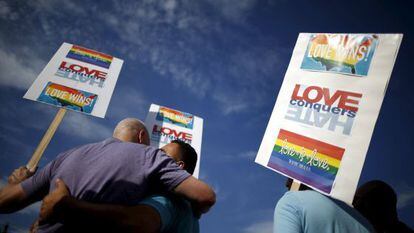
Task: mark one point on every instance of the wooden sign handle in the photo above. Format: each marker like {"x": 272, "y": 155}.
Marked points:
{"x": 37, "y": 155}
{"x": 295, "y": 185}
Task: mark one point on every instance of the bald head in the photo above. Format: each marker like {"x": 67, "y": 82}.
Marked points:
{"x": 131, "y": 130}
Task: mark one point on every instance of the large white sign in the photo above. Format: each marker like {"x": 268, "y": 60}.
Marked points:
{"x": 324, "y": 116}
{"x": 77, "y": 78}
{"x": 166, "y": 124}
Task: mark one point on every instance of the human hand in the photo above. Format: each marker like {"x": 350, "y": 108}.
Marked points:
{"x": 48, "y": 210}
{"x": 34, "y": 227}
{"x": 20, "y": 174}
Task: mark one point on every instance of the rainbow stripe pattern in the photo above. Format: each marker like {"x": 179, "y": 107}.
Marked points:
{"x": 67, "y": 97}
{"x": 90, "y": 56}
{"x": 175, "y": 117}
{"x": 313, "y": 162}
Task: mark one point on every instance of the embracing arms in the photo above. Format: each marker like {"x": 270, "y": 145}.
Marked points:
{"x": 138, "y": 218}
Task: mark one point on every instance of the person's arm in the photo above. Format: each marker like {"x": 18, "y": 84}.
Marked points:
{"x": 138, "y": 218}
{"x": 12, "y": 196}
{"x": 163, "y": 169}
{"x": 201, "y": 196}
{"x": 60, "y": 206}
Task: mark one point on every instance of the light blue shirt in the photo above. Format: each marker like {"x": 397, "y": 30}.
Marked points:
{"x": 312, "y": 212}
{"x": 176, "y": 214}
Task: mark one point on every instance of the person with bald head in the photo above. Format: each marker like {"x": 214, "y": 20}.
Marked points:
{"x": 132, "y": 130}
{"x": 119, "y": 170}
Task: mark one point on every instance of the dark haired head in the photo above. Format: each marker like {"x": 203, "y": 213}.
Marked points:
{"x": 188, "y": 155}
{"x": 377, "y": 201}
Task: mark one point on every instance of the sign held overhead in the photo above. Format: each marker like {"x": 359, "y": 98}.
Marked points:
{"x": 325, "y": 113}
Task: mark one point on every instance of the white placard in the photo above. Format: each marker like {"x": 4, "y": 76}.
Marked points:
{"x": 77, "y": 78}
{"x": 325, "y": 113}
{"x": 166, "y": 124}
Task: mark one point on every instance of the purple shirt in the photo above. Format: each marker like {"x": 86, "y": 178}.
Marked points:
{"x": 110, "y": 171}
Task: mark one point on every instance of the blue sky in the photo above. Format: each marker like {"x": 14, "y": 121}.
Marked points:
{"x": 223, "y": 60}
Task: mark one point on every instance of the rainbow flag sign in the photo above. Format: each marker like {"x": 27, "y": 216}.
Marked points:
{"x": 340, "y": 53}
{"x": 175, "y": 117}
{"x": 90, "y": 56}
{"x": 313, "y": 162}
{"x": 166, "y": 124}
{"x": 70, "y": 98}
{"x": 326, "y": 110}
{"x": 74, "y": 79}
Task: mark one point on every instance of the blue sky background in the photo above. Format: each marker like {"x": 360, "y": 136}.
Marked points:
{"x": 223, "y": 60}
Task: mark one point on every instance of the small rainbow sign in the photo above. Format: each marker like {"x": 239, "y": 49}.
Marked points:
{"x": 313, "y": 162}
{"x": 175, "y": 117}
{"x": 90, "y": 56}
{"x": 70, "y": 98}
{"x": 340, "y": 53}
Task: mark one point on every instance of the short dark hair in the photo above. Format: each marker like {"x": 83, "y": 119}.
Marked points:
{"x": 377, "y": 201}
{"x": 188, "y": 154}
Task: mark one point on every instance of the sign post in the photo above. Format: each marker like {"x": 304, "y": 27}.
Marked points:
{"x": 295, "y": 186}
{"x": 37, "y": 155}
{"x": 325, "y": 113}
{"x": 78, "y": 79}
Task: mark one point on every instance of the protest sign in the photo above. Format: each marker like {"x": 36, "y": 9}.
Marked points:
{"x": 78, "y": 79}
{"x": 325, "y": 113}
{"x": 166, "y": 124}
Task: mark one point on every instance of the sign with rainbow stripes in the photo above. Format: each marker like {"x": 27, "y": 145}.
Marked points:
{"x": 175, "y": 117}
{"x": 340, "y": 53}
{"x": 326, "y": 110}
{"x": 74, "y": 79}
{"x": 90, "y": 56}
{"x": 70, "y": 98}
{"x": 166, "y": 124}
{"x": 314, "y": 162}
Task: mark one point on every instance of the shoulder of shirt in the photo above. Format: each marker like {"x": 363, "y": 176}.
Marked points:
{"x": 129, "y": 145}
{"x": 301, "y": 198}
{"x": 301, "y": 194}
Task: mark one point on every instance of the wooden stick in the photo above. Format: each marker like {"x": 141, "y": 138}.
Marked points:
{"x": 295, "y": 185}
{"x": 37, "y": 155}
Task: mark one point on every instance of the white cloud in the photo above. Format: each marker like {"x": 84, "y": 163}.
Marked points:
{"x": 230, "y": 102}
{"x": 128, "y": 102}
{"x": 260, "y": 227}
{"x": 178, "y": 39}
{"x": 248, "y": 154}
{"x": 234, "y": 10}
{"x": 6, "y": 12}
{"x": 83, "y": 126}
{"x": 18, "y": 70}
{"x": 405, "y": 196}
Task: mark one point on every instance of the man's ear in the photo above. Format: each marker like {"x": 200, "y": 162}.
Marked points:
{"x": 142, "y": 137}
{"x": 181, "y": 164}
